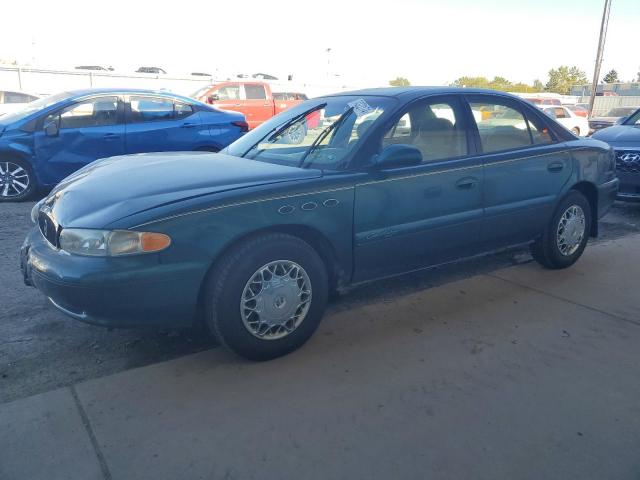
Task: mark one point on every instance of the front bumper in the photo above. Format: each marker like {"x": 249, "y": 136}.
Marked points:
{"x": 629, "y": 186}
{"x": 135, "y": 291}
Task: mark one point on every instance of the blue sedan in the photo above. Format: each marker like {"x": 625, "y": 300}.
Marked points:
{"x": 252, "y": 240}
{"x": 55, "y": 136}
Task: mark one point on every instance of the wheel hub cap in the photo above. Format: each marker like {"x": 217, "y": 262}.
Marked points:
{"x": 571, "y": 230}
{"x": 275, "y": 300}
{"x": 14, "y": 180}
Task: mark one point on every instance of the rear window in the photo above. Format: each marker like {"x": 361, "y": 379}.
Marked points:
{"x": 255, "y": 92}
{"x": 149, "y": 109}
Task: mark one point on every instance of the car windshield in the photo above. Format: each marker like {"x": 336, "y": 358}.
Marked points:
{"x": 29, "y": 108}
{"x": 619, "y": 112}
{"x": 633, "y": 119}
{"x": 201, "y": 91}
{"x": 319, "y": 133}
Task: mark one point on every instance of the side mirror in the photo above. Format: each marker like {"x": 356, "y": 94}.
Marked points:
{"x": 213, "y": 98}
{"x": 51, "y": 129}
{"x": 395, "y": 156}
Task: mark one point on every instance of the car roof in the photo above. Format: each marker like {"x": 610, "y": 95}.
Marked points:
{"x": 413, "y": 92}
{"x": 126, "y": 91}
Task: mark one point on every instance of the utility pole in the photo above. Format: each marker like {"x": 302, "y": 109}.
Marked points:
{"x": 603, "y": 36}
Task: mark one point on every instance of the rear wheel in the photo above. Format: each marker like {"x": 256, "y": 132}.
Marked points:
{"x": 267, "y": 296}
{"x": 566, "y": 236}
{"x": 17, "y": 181}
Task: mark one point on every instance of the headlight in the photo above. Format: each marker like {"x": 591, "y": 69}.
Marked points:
{"x": 107, "y": 243}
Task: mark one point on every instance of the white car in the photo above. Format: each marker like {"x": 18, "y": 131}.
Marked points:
{"x": 12, "y": 101}
{"x": 564, "y": 116}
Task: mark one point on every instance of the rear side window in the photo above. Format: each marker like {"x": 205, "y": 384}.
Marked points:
{"x": 183, "y": 110}
{"x": 97, "y": 112}
{"x": 503, "y": 127}
{"x": 255, "y": 92}
{"x": 149, "y": 109}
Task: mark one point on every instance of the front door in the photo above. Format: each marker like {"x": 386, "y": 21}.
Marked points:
{"x": 87, "y": 130}
{"x": 411, "y": 217}
{"x": 525, "y": 169}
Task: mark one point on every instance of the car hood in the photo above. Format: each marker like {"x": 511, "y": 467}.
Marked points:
{"x": 619, "y": 133}
{"x": 113, "y": 188}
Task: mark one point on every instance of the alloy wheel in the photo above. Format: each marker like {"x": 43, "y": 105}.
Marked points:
{"x": 14, "y": 180}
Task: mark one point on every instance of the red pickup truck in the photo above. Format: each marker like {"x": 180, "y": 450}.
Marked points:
{"x": 254, "y": 99}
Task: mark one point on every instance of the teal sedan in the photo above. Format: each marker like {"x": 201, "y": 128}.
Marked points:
{"x": 337, "y": 191}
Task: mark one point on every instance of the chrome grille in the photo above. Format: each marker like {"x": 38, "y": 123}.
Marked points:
{"x": 628, "y": 161}
{"x": 48, "y": 228}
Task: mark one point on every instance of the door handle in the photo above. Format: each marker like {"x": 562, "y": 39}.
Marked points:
{"x": 555, "y": 167}
{"x": 266, "y": 104}
{"x": 187, "y": 125}
{"x": 111, "y": 136}
{"x": 467, "y": 183}
{"x": 236, "y": 105}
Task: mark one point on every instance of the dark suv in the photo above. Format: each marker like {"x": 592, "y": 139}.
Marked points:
{"x": 625, "y": 139}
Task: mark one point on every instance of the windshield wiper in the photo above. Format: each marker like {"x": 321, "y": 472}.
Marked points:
{"x": 273, "y": 133}
{"x": 324, "y": 134}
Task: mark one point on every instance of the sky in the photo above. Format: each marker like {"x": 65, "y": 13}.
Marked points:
{"x": 370, "y": 42}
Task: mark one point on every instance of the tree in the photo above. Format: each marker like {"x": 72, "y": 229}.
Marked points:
{"x": 611, "y": 77}
{"x": 563, "y": 78}
{"x": 538, "y": 86}
{"x": 498, "y": 83}
{"x": 399, "y": 82}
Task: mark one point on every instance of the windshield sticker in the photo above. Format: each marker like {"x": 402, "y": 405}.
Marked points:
{"x": 360, "y": 107}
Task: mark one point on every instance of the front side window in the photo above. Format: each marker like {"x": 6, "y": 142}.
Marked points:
{"x": 317, "y": 134}
{"x": 230, "y": 92}
{"x": 504, "y": 127}
{"x": 561, "y": 113}
{"x": 97, "y": 112}
{"x": 255, "y": 92}
{"x": 149, "y": 109}
{"x": 434, "y": 127}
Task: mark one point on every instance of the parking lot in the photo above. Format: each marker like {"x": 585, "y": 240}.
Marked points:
{"x": 493, "y": 368}
{"x": 41, "y": 349}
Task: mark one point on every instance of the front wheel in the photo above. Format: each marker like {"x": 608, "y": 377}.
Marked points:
{"x": 17, "y": 181}
{"x": 576, "y": 131}
{"x": 566, "y": 235}
{"x": 267, "y": 296}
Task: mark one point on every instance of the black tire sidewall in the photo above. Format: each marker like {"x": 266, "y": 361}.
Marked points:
{"x": 225, "y": 307}
{"x": 558, "y": 259}
{"x": 31, "y": 189}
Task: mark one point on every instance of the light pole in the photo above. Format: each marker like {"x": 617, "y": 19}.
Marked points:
{"x": 603, "y": 36}
{"x": 328, "y": 50}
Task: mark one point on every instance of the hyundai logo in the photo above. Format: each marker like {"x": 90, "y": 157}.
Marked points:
{"x": 629, "y": 157}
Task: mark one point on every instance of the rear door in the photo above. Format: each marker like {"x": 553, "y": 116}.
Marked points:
{"x": 158, "y": 124}
{"x": 257, "y": 107}
{"x": 525, "y": 169}
{"x": 87, "y": 130}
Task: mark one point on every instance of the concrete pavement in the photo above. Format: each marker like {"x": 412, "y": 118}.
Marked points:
{"x": 522, "y": 373}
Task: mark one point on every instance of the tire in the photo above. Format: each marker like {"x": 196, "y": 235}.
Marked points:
{"x": 560, "y": 247}
{"x": 231, "y": 296}
{"x": 17, "y": 180}
{"x": 576, "y": 130}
